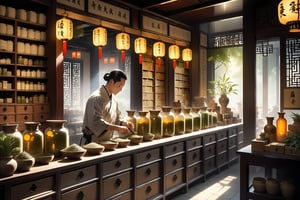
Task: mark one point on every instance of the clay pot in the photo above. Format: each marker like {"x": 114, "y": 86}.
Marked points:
{"x": 272, "y": 186}
{"x": 287, "y": 189}
{"x": 259, "y": 184}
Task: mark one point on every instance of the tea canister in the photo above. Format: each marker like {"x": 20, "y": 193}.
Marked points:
{"x": 188, "y": 118}
{"x": 33, "y": 138}
{"x": 56, "y": 137}
{"x": 156, "y": 123}
{"x": 179, "y": 121}
{"x": 196, "y": 118}
{"x": 131, "y": 118}
{"x": 168, "y": 125}
{"x": 12, "y": 130}
{"x": 142, "y": 123}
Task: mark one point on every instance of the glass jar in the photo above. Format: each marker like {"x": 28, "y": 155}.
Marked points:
{"x": 210, "y": 118}
{"x": 214, "y": 118}
{"x": 33, "y": 139}
{"x": 156, "y": 123}
{"x": 142, "y": 123}
{"x": 131, "y": 118}
{"x": 179, "y": 121}
{"x": 56, "y": 137}
{"x": 281, "y": 127}
{"x": 168, "y": 127}
{"x": 270, "y": 129}
{"x": 196, "y": 118}
{"x": 188, "y": 118}
{"x": 204, "y": 118}
{"x": 12, "y": 130}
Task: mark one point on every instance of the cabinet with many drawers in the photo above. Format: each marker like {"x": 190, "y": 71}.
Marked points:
{"x": 151, "y": 170}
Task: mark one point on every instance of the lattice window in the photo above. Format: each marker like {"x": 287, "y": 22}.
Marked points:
{"x": 227, "y": 40}
{"x": 293, "y": 63}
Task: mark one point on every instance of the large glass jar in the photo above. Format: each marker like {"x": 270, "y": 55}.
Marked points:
{"x": 33, "y": 139}
{"x": 204, "y": 118}
{"x": 210, "y": 118}
{"x": 188, "y": 118}
{"x": 56, "y": 137}
{"x": 214, "y": 117}
{"x": 196, "y": 118}
{"x": 281, "y": 127}
{"x": 179, "y": 121}
{"x": 142, "y": 123}
{"x": 131, "y": 118}
{"x": 156, "y": 123}
{"x": 12, "y": 130}
{"x": 168, "y": 127}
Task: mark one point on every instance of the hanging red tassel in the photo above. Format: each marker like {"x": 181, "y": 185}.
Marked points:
{"x": 64, "y": 47}
{"x": 158, "y": 61}
{"x": 140, "y": 59}
{"x": 123, "y": 56}
{"x": 187, "y": 64}
{"x": 174, "y": 64}
{"x": 99, "y": 53}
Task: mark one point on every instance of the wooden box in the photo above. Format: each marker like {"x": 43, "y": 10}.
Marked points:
{"x": 258, "y": 145}
{"x": 292, "y": 151}
{"x": 276, "y": 147}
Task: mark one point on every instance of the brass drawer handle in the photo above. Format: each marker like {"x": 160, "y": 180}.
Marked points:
{"x": 4, "y": 109}
{"x": 175, "y": 148}
{"x": 174, "y": 162}
{"x": 118, "y": 164}
{"x": 80, "y": 174}
{"x": 25, "y": 108}
{"x": 80, "y": 195}
{"x": 148, "y": 156}
{"x": 148, "y": 171}
{"x": 175, "y": 178}
{"x": 4, "y": 117}
{"x": 118, "y": 182}
{"x": 25, "y": 117}
{"x": 33, "y": 187}
{"x": 148, "y": 189}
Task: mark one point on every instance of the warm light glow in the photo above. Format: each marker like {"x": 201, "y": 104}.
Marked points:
{"x": 174, "y": 54}
{"x": 140, "y": 47}
{"x": 64, "y": 32}
{"x": 122, "y": 43}
{"x": 73, "y": 54}
{"x": 78, "y": 56}
{"x": 281, "y": 127}
{"x": 187, "y": 56}
{"x": 289, "y": 14}
{"x": 105, "y": 60}
{"x": 112, "y": 60}
{"x": 99, "y": 39}
{"x": 159, "y": 51}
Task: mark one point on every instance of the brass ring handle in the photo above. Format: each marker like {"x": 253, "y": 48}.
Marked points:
{"x": 175, "y": 178}
{"x": 148, "y": 171}
{"x": 118, "y": 182}
{"x": 148, "y": 189}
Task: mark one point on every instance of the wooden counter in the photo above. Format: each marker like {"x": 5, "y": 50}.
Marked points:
{"x": 152, "y": 170}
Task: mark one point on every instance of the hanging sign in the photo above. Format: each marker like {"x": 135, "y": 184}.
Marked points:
{"x": 109, "y": 11}
{"x": 78, "y": 4}
{"x": 179, "y": 33}
{"x": 154, "y": 25}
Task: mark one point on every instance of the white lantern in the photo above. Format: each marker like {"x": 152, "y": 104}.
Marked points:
{"x": 99, "y": 39}
{"x": 174, "y": 54}
{"x": 289, "y": 14}
{"x": 64, "y": 32}
{"x": 158, "y": 51}
{"x": 187, "y": 56}
{"x": 140, "y": 47}
{"x": 123, "y": 43}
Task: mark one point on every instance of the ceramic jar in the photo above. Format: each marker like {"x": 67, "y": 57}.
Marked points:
{"x": 56, "y": 137}
{"x": 288, "y": 189}
{"x": 270, "y": 129}
{"x": 156, "y": 123}
{"x": 33, "y": 139}
{"x": 196, "y": 118}
{"x": 281, "y": 127}
{"x": 272, "y": 186}
{"x": 142, "y": 123}
{"x": 131, "y": 118}
{"x": 259, "y": 184}
{"x": 179, "y": 121}
{"x": 188, "y": 120}
{"x": 168, "y": 127}
{"x": 12, "y": 130}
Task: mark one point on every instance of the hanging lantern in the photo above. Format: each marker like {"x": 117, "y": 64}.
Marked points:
{"x": 174, "y": 54}
{"x": 99, "y": 39}
{"x": 140, "y": 47}
{"x": 123, "y": 43}
{"x": 187, "y": 56}
{"x": 64, "y": 32}
{"x": 289, "y": 14}
{"x": 158, "y": 51}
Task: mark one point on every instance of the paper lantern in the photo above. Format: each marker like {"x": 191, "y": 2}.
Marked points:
{"x": 174, "y": 54}
{"x": 187, "y": 56}
{"x": 289, "y": 14}
{"x": 64, "y": 32}
{"x": 159, "y": 51}
{"x": 140, "y": 47}
{"x": 99, "y": 39}
{"x": 123, "y": 44}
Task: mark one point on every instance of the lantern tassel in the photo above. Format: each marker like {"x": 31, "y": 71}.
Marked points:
{"x": 187, "y": 64}
{"x": 99, "y": 53}
{"x": 140, "y": 59}
{"x": 174, "y": 64}
{"x": 122, "y": 56}
{"x": 158, "y": 61}
{"x": 64, "y": 48}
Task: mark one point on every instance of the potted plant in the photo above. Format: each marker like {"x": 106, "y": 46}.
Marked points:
{"x": 7, "y": 149}
{"x": 292, "y": 128}
{"x": 292, "y": 144}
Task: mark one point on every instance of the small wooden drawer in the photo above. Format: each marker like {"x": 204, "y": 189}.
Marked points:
{"x": 232, "y": 132}
{"x": 232, "y": 153}
{"x": 222, "y": 158}
{"x": 221, "y": 146}
{"x": 221, "y": 135}
{"x": 209, "y": 151}
{"x": 113, "y": 166}
{"x": 32, "y": 188}
{"x": 207, "y": 139}
{"x": 193, "y": 156}
{"x": 148, "y": 190}
{"x": 209, "y": 164}
{"x": 174, "y": 163}
{"x": 147, "y": 173}
{"x": 191, "y": 144}
{"x": 7, "y": 109}
{"x": 116, "y": 184}
{"x": 194, "y": 171}
{"x": 78, "y": 176}
{"x": 89, "y": 192}
{"x": 147, "y": 156}
{"x": 40, "y": 117}
{"x": 173, "y": 149}
{"x": 232, "y": 141}
{"x": 24, "y": 109}
{"x": 42, "y": 108}
{"x": 7, "y": 118}
{"x": 24, "y": 118}
{"x": 124, "y": 196}
{"x": 174, "y": 179}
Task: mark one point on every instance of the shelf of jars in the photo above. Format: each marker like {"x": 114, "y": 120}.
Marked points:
{"x": 181, "y": 85}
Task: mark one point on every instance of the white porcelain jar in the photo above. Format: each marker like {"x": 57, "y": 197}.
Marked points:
{"x": 27, "y": 49}
{"x": 41, "y": 18}
{"x": 9, "y": 29}
{"x": 22, "y": 14}
{"x": 24, "y": 32}
{"x": 3, "y": 28}
{"x": 30, "y": 34}
{"x": 11, "y": 12}
{"x": 2, "y": 10}
{"x": 41, "y": 50}
{"x": 10, "y": 45}
{"x": 32, "y": 16}
{"x": 37, "y": 35}
{"x": 33, "y": 49}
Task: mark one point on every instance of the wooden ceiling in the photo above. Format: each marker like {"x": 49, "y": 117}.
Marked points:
{"x": 188, "y": 12}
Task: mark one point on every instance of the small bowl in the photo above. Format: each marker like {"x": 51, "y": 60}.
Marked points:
{"x": 259, "y": 184}
{"x": 273, "y": 186}
{"x": 24, "y": 161}
{"x": 73, "y": 151}
{"x": 122, "y": 142}
{"x": 109, "y": 145}
{"x": 94, "y": 148}
{"x": 44, "y": 159}
{"x": 135, "y": 139}
{"x": 148, "y": 137}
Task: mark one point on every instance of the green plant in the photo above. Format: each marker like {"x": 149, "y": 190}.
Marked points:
{"x": 295, "y": 117}
{"x": 8, "y": 145}
{"x": 293, "y": 140}
{"x": 223, "y": 86}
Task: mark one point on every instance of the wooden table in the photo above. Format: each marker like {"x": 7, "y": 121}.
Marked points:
{"x": 289, "y": 165}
